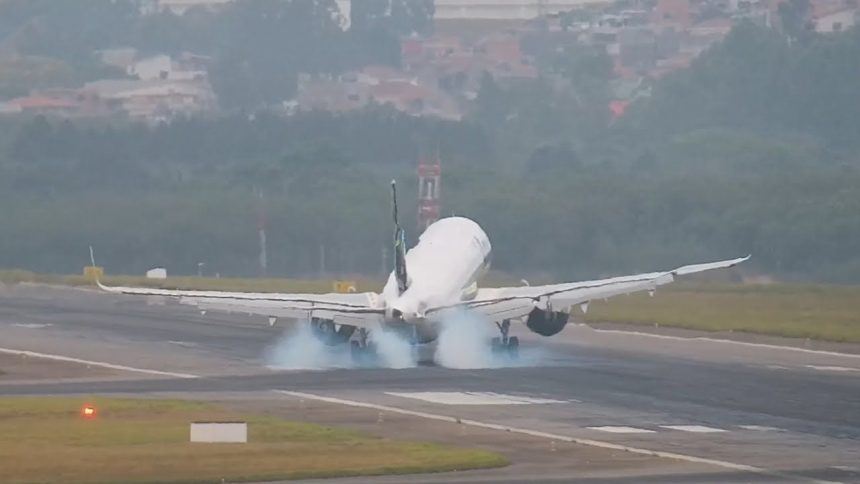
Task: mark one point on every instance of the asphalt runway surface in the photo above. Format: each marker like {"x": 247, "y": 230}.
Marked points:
{"x": 732, "y": 411}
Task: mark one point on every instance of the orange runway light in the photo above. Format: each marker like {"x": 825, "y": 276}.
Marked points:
{"x": 88, "y": 411}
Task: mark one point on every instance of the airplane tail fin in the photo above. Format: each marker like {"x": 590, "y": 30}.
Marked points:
{"x": 399, "y": 245}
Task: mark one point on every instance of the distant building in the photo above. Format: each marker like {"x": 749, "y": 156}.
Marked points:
{"x": 678, "y": 13}
{"x": 43, "y": 105}
{"x": 836, "y": 20}
{"x": 153, "y": 100}
{"x": 505, "y": 9}
{"x": 188, "y": 67}
{"x": 119, "y": 57}
{"x": 180, "y": 6}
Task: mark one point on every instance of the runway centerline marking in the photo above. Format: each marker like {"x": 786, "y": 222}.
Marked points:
{"x": 727, "y": 341}
{"x": 187, "y": 344}
{"x": 621, "y": 429}
{"x": 831, "y": 368}
{"x": 698, "y": 429}
{"x": 473, "y": 398}
{"x": 761, "y": 428}
{"x": 547, "y": 435}
{"x": 101, "y": 364}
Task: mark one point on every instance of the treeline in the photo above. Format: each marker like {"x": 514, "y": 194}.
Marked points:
{"x": 703, "y": 169}
{"x": 760, "y": 81}
{"x": 258, "y": 48}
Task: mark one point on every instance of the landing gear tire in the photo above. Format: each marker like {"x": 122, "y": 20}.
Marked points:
{"x": 496, "y": 345}
{"x": 362, "y": 351}
{"x": 505, "y": 345}
{"x": 513, "y": 347}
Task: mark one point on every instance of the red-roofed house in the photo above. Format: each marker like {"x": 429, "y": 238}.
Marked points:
{"x": 42, "y": 105}
{"x": 415, "y": 99}
{"x": 673, "y": 12}
{"x": 404, "y": 95}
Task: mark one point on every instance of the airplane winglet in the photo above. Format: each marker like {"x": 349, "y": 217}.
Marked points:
{"x": 96, "y": 274}
{"x": 708, "y": 266}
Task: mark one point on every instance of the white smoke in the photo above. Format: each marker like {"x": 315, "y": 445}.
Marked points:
{"x": 465, "y": 343}
{"x": 299, "y": 349}
{"x": 392, "y": 350}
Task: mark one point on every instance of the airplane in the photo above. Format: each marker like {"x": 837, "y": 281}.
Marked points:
{"x": 436, "y": 277}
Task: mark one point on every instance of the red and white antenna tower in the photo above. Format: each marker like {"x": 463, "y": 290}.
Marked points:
{"x": 429, "y": 175}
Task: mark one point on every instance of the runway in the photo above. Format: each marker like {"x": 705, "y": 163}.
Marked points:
{"x": 730, "y": 411}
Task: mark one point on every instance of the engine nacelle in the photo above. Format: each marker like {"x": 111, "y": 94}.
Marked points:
{"x": 546, "y": 323}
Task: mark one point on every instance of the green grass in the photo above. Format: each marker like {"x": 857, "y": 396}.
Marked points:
{"x": 133, "y": 440}
{"x": 822, "y": 312}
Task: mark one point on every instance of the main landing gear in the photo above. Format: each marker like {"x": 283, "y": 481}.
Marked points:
{"x": 362, "y": 350}
{"x": 505, "y": 345}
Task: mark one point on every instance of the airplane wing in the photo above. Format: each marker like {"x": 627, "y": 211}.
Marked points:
{"x": 356, "y": 309}
{"x": 517, "y": 302}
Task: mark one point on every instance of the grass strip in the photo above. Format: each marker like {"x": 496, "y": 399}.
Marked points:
{"x": 819, "y": 311}
{"x": 141, "y": 440}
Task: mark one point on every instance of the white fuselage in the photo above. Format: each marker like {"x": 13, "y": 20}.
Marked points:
{"x": 442, "y": 268}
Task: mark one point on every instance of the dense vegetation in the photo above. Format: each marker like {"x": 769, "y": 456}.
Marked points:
{"x": 258, "y": 48}
{"x": 753, "y": 149}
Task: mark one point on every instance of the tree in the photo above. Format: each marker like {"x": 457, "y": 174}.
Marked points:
{"x": 263, "y": 45}
{"x": 410, "y": 17}
{"x": 366, "y": 15}
{"x": 794, "y": 15}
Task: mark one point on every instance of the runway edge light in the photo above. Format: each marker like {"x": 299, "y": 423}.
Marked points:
{"x": 88, "y": 411}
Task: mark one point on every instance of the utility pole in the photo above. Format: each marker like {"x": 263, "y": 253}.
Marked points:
{"x": 261, "y": 228}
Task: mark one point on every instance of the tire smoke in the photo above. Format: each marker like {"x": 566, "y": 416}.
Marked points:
{"x": 299, "y": 349}
{"x": 464, "y": 343}
{"x": 392, "y": 350}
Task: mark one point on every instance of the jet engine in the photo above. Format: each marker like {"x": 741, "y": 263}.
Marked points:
{"x": 546, "y": 323}
{"x": 329, "y": 333}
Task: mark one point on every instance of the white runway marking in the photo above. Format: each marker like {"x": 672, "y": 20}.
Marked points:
{"x": 547, "y": 435}
{"x": 761, "y": 428}
{"x": 101, "y": 364}
{"x": 620, "y": 429}
{"x": 699, "y": 429}
{"x": 186, "y": 344}
{"x": 31, "y": 325}
{"x": 473, "y": 398}
{"x": 728, "y": 341}
{"x": 832, "y": 368}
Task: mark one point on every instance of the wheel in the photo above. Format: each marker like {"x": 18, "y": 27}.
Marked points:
{"x": 362, "y": 355}
{"x": 513, "y": 347}
{"x": 496, "y": 345}
{"x": 354, "y": 349}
